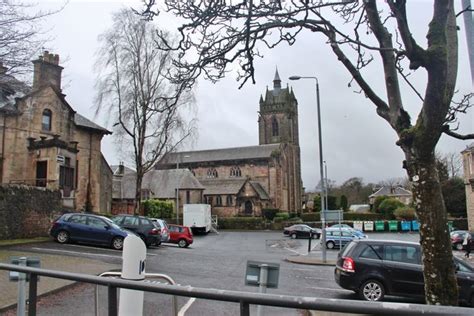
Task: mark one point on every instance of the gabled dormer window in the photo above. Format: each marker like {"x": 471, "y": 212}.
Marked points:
{"x": 46, "y": 120}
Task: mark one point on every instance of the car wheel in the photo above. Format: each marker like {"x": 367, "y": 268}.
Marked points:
{"x": 330, "y": 245}
{"x": 458, "y": 246}
{"x": 117, "y": 243}
{"x": 293, "y": 236}
{"x": 62, "y": 237}
{"x": 372, "y": 290}
{"x": 182, "y": 243}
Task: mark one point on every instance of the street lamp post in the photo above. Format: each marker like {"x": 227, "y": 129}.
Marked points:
{"x": 321, "y": 169}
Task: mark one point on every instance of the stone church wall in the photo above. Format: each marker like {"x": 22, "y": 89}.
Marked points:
{"x": 27, "y": 212}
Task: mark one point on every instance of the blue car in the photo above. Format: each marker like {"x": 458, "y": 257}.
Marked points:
{"x": 89, "y": 229}
{"x": 339, "y": 237}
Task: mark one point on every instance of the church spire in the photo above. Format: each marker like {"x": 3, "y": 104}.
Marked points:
{"x": 276, "y": 80}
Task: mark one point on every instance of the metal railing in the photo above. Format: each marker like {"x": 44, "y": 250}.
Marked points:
{"x": 165, "y": 277}
{"x": 245, "y": 299}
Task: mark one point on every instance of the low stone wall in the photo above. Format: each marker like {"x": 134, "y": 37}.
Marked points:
{"x": 27, "y": 212}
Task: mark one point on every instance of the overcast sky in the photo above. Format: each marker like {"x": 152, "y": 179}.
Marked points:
{"x": 356, "y": 142}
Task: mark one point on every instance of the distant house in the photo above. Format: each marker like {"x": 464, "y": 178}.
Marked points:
{"x": 156, "y": 184}
{"x": 468, "y": 163}
{"x": 399, "y": 193}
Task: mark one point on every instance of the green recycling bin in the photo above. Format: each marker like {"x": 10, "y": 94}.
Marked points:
{"x": 393, "y": 226}
{"x": 379, "y": 225}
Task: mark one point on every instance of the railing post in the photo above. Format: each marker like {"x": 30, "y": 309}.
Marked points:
{"x": 244, "y": 308}
{"x": 112, "y": 297}
{"x": 32, "y": 294}
{"x": 21, "y": 305}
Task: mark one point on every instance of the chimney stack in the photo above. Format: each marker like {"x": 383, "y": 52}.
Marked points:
{"x": 47, "y": 71}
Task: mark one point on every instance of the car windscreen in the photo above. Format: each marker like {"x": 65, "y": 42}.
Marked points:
{"x": 111, "y": 223}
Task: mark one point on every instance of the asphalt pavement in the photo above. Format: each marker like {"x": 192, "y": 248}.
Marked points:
{"x": 92, "y": 266}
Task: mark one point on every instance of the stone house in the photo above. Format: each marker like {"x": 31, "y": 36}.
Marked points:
{"x": 244, "y": 180}
{"x": 468, "y": 164}
{"x": 44, "y": 142}
{"x": 399, "y": 193}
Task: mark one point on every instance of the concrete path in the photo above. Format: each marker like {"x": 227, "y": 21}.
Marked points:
{"x": 9, "y": 290}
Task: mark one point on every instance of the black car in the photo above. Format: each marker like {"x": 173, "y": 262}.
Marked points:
{"x": 88, "y": 228}
{"x": 301, "y": 231}
{"x": 375, "y": 268}
{"x": 140, "y": 225}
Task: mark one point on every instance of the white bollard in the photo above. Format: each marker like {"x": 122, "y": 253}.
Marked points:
{"x": 133, "y": 268}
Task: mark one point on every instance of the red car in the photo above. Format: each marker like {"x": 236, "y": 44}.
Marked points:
{"x": 181, "y": 235}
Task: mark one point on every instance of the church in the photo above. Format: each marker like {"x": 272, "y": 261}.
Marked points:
{"x": 242, "y": 181}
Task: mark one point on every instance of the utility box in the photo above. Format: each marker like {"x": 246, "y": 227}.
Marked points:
{"x": 252, "y": 274}
{"x": 33, "y": 262}
{"x": 197, "y": 217}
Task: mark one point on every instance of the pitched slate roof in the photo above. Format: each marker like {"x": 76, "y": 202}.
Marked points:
{"x": 10, "y": 89}
{"x": 260, "y": 190}
{"x": 162, "y": 184}
{"x": 391, "y": 191}
{"x": 126, "y": 170}
{"x": 81, "y": 121}
{"x": 235, "y": 153}
{"x": 222, "y": 186}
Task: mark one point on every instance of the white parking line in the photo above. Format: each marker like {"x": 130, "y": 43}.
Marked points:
{"x": 84, "y": 253}
{"x": 186, "y": 306}
{"x": 289, "y": 249}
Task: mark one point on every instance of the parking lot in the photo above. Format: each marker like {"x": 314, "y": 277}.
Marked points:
{"x": 214, "y": 261}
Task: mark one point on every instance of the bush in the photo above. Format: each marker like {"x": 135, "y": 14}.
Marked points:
{"x": 159, "y": 209}
{"x": 388, "y": 206}
{"x": 269, "y": 213}
{"x": 311, "y": 217}
{"x": 283, "y": 215}
{"x": 405, "y": 212}
{"x": 377, "y": 202}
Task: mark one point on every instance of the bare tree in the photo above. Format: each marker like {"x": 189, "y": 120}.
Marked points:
{"x": 20, "y": 35}
{"x": 453, "y": 163}
{"x": 220, "y": 33}
{"x": 132, "y": 86}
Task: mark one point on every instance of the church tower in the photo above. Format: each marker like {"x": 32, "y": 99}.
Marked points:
{"x": 278, "y": 115}
{"x": 278, "y": 124}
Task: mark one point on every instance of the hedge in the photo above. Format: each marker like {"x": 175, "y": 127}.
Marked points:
{"x": 316, "y": 217}
{"x": 250, "y": 223}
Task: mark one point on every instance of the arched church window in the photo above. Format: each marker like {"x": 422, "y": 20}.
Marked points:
{"x": 235, "y": 172}
{"x": 229, "y": 200}
{"x": 274, "y": 126}
{"x": 218, "y": 200}
{"x": 212, "y": 173}
{"x": 46, "y": 120}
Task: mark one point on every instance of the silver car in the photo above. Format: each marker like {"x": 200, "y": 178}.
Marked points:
{"x": 163, "y": 227}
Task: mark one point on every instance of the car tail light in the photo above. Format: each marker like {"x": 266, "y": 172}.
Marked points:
{"x": 154, "y": 231}
{"x": 348, "y": 265}
{"x": 55, "y": 224}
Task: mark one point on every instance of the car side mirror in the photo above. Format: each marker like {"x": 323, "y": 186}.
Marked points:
{"x": 107, "y": 227}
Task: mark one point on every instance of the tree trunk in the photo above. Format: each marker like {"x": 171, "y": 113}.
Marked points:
{"x": 434, "y": 233}
{"x": 138, "y": 193}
